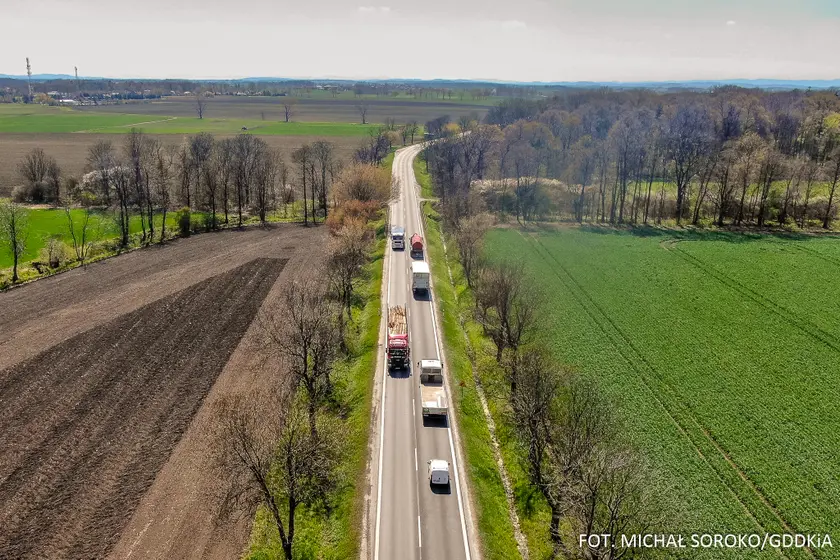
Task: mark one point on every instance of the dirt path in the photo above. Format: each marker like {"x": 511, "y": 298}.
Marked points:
{"x": 106, "y": 370}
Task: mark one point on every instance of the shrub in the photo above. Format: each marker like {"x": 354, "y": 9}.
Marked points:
{"x": 56, "y": 253}
{"x": 20, "y": 193}
{"x": 183, "y": 217}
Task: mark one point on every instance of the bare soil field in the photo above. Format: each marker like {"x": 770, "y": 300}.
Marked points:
{"x": 71, "y": 149}
{"x": 106, "y": 379}
{"x": 306, "y": 110}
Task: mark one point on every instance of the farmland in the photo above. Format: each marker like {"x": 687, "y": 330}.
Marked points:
{"x": 720, "y": 350}
{"x": 106, "y": 379}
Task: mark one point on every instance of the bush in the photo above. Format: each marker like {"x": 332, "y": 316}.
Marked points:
{"x": 352, "y": 210}
{"x": 56, "y": 253}
{"x": 183, "y": 217}
{"x": 20, "y": 193}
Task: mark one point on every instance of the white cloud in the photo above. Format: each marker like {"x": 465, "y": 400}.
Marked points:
{"x": 730, "y": 23}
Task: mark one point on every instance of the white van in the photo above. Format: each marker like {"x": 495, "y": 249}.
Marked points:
{"x": 420, "y": 276}
{"x": 438, "y": 472}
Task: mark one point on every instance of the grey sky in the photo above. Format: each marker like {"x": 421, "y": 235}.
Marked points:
{"x": 548, "y": 40}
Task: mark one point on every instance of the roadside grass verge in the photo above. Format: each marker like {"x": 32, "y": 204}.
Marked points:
{"x": 489, "y": 501}
{"x": 423, "y": 178}
{"x": 335, "y": 534}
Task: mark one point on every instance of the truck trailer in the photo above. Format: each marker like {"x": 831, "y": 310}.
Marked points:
{"x": 396, "y": 346}
{"x": 432, "y": 390}
{"x": 416, "y": 246}
{"x": 420, "y": 276}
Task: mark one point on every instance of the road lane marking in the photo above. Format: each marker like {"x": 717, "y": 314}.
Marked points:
{"x": 415, "y": 460}
{"x": 448, "y": 428}
{"x": 419, "y": 534}
{"x": 382, "y": 418}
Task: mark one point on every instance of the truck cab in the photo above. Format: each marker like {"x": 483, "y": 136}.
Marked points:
{"x": 438, "y": 472}
{"x": 398, "y": 237}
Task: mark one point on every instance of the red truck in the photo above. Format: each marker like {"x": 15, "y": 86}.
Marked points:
{"x": 396, "y": 347}
{"x": 416, "y": 245}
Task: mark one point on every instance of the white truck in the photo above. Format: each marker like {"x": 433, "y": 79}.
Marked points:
{"x": 438, "y": 472}
{"x": 432, "y": 390}
{"x": 397, "y": 237}
{"x": 420, "y": 276}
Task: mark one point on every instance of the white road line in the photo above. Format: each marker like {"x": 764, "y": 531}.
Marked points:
{"x": 448, "y": 428}
{"x": 415, "y": 460}
{"x": 419, "y": 534}
{"x": 382, "y": 422}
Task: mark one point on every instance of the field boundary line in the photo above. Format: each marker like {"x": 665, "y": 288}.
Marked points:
{"x": 94, "y": 130}
{"x": 661, "y": 399}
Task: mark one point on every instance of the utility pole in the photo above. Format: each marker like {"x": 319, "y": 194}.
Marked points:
{"x": 78, "y": 86}
{"x": 29, "y": 76}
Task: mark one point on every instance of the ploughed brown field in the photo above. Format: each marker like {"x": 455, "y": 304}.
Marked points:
{"x": 107, "y": 376}
{"x": 71, "y": 149}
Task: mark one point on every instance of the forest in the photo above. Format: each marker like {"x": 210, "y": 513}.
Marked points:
{"x": 727, "y": 156}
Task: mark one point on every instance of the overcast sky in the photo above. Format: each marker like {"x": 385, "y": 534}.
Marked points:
{"x": 523, "y": 40}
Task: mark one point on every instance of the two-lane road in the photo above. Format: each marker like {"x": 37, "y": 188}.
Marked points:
{"x": 412, "y": 520}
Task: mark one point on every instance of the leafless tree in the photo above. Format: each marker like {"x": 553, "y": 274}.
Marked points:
{"x": 411, "y": 128}
{"x": 347, "y": 256}
{"x": 224, "y": 161}
{"x": 748, "y": 149}
{"x": 246, "y": 153}
{"x": 363, "y": 182}
{"x": 323, "y": 153}
{"x": 79, "y": 231}
{"x": 362, "y": 107}
{"x": 506, "y": 305}
{"x": 770, "y": 170}
{"x": 14, "y": 230}
{"x": 122, "y": 181}
{"x": 164, "y": 170}
{"x": 289, "y": 108}
{"x": 265, "y": 182}
{"x": 101, "y": 159}
{"x": 268, "y": 455}
{"x": 833, "y": 180}
{"x": 36, "y": 169}
{"x": 200, "y": 103}
{"x": 470, "y": 240}
{"x": 303, "y": 158}
{"x": 304, "y": 333}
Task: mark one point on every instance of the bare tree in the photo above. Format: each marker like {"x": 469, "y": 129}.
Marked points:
{"x": 224, "y": 162}
{"x": 101, "y": 160}
{"x": 363, "y": 182}
{"x": 200, "y": 103}
{"x": 362, "y": 107}
{"x": 506, "y": 305}
{"x": 304, "y": 333}
{"x": 164, "y": 171}
{"x": 411, "y": 128}
{"x": 347, "y": 256}
{"x": 79, "y": 232}
{"x": 265, "y": 182}
{"x": 470, "y": 239}
{"x": 14, "y": 230}
{"x": 36, "y": 169}
{"x": 267, "y": 455}
{"x": 303, "y": 158}
{"x": 834, "y": 180}
{"x": 289, "y": 108}
{"x": 323, "y": 153}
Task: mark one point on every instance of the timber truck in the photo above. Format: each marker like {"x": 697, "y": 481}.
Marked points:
{"x": 432, "y": 391}
{"x": 396, "y": 347}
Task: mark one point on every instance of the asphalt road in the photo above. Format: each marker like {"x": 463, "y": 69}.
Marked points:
{"x": 413, "y": 521}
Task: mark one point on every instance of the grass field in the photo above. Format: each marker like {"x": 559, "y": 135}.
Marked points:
{"x": 38, "y": 119}
{"x": 721, "y": 351}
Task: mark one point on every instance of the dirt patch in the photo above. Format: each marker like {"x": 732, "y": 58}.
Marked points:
{"x": 87, "y": 424}
{"x": 157, "y": 410}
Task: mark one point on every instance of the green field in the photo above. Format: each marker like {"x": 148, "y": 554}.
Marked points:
{"x": 42, "y": 120}
{"x": 721, "y": 351}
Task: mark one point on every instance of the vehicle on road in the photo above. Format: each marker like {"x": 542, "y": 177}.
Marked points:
{"x": 432, "y": 391}
{"x": 398, "y": 237}
{"x": 420, "y": 276}
{"x": 396, "y": 347}
{"x": 438, "y": 472}
{"x": 416, "y": 246}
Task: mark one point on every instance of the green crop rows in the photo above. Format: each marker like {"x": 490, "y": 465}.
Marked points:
{"x": 722, "y": 353}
